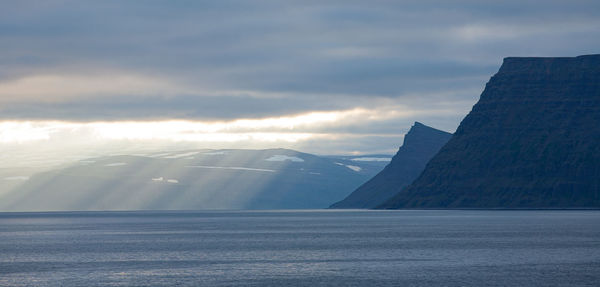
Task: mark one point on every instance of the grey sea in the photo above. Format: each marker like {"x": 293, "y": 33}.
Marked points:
{"x": 301, "y": 248}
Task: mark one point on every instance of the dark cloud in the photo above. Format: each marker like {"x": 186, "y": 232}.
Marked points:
{"x": 161, "y": 108}
{"x": 324, "y": 55}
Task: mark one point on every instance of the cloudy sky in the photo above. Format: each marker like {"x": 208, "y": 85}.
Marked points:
{"x": 328, "y": 77}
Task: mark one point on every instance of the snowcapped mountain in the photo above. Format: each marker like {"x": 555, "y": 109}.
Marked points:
{"x": 197, "y": 179}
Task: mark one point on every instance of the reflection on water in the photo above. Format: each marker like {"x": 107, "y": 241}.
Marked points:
{"x": 301, "y": 248}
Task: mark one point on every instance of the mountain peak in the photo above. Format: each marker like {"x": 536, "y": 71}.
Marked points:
{"x": 531, "y": 141}
{"x": 419, "y": 125}
{"x": 420, "y": 133}
{"x": 420, "y": 144}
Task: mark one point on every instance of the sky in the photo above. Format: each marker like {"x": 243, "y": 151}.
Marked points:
{"x": 326, "y": 77}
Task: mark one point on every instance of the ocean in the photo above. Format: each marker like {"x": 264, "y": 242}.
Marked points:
{"x": 301, "y": 248}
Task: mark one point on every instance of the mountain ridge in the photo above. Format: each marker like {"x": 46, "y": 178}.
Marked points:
{"x": 421, "y": 142}
{"x": 193, "y": 179}
{"x": 531, "y": 141}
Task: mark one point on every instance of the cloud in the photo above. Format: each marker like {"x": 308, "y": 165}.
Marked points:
{"x": 500, "y": 32}
{"x": 287, "y": 128}
{"x": 56, "y": 88}
{"x": 85, "y": 62}
{"x": 46, "y": 144}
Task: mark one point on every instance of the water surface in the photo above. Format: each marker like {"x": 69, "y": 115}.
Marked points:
{"x": 301, "y": 248}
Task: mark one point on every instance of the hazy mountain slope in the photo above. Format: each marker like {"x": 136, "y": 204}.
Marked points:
{"x": 421, "y": 143}
{"x": 532, "y": 141}
{"x": 223, "y": 179}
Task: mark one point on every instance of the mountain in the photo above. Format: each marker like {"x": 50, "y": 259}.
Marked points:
{"x": 197, "y": 179}
{"x": 532, "y": 141}
{"x": 421, "y": 143}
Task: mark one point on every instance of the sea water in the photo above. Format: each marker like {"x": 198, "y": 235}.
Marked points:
{"x": 301, "y": 248}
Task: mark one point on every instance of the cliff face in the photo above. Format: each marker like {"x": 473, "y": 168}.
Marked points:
{"x": 532, "y": 140}
{"x": 421, "y": 143}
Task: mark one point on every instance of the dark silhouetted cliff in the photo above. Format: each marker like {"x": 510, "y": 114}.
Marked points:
{"x": 532, "y": 141}
{"x": 421, "y": 143}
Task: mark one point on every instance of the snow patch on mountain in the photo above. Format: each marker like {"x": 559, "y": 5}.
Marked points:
{"x": 280, "y": 157}
{"x": 215, "y": 153}
{"x": 187, "y": 154}
{"x": 372, "y": 159}
{"x": 159, "y": 155}
{"x": 116, "y": 164}
{"x": 162, "y": 179}
{"x": 16, "y": 178}
{"x": 352, "y": 167}
{"x": 231, "y": 167}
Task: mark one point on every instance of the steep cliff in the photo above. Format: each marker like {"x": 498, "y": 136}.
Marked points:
{"x": 421, "y": 143}
{"x": 532, "y": 141}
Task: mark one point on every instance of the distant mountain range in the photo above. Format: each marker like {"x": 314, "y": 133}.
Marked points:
{"x": 421, "y": 143}
{"x": 532, "y": 141}
{"x": 196, "y": 179}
